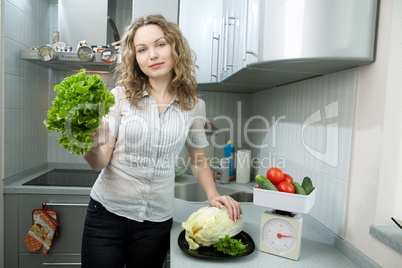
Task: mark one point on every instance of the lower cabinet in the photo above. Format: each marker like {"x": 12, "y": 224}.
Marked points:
{"x": 65, "y": 250}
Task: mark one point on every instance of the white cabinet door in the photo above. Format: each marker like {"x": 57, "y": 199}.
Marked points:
{"x": 233, "y": 22}
{"x": 200, "y": 22}
{"x": 240, "y": 31}
{"x": 251, "y": 42}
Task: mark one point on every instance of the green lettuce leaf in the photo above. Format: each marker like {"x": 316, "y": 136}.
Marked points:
{"x": 230, "y": 246}
{"x": 80, "y": 103}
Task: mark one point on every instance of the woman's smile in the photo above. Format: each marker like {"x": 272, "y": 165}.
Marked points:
{"x": 156, "y": 65}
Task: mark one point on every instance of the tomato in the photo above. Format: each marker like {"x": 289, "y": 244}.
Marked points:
{"x": 286, "y": 186}
{"x": 287, "y": 177}
{"x": 275, "y": 175}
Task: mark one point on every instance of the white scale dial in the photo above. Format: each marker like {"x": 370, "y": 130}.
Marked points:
{"x": 280, "y": 236}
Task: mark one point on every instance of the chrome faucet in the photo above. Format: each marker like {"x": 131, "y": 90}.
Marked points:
{"x": 223, "y": 169}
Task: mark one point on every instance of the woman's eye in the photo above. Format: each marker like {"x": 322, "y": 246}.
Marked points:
{"x": 161, "y": 44}
{"x": 141, "y": 50}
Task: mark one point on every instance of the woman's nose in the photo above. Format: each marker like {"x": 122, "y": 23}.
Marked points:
{"x": 153, "y": 54}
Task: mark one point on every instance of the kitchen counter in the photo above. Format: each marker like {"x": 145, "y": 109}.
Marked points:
{"x": 317, "y": 247}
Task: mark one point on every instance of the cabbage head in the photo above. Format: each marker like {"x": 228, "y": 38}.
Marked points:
{"x": 205, "y": 226}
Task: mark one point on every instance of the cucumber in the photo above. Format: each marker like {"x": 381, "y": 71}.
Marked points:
{"x": 264, "y": 183}
{"x": 298, "y": 188}
{"x": 307, "y": 184}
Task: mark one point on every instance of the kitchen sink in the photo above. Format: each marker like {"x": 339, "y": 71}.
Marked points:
{"x": 242, "y": 196}
{"x": 192, "y": 192}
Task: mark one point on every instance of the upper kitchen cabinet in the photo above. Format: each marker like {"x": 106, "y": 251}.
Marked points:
{"x": 215, "y": 32}
{"x": 267, "y": 43}
{"x": 201, "y": 24}
{"x": 234, "y": 28}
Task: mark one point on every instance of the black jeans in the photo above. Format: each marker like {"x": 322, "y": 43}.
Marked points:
{"x": 111, "y": 241}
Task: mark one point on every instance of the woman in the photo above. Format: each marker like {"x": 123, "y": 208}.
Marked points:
{"x": 157, "y": 112}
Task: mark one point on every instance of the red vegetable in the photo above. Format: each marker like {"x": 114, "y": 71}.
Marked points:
{"x": 286, "y": 186}
{"x": 287, "y": 177}
{"x": 275, "y": 175}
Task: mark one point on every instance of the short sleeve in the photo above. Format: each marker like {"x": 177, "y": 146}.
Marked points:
{"x": 114, "y": 115}
{"x": 196, "y": 137}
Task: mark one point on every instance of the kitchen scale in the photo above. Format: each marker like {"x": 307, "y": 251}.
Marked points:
{"x": 281, "y": 230}
{"x": 281, "y": 233}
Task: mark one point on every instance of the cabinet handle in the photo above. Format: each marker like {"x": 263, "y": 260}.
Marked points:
{"x": 245, "y": 51}
{"x": 61, "y": 263}
{"x": 252, "y": 53}
{"x": 67, "y": 204}
{"x": 245, "y": 32}
{"x": 227, "y": 24}
{"x": 225, "y": 58}
{"x": 212, "y": 56}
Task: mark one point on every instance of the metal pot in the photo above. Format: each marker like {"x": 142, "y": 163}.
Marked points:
{"x": 85, "y": 53}
{"x": 47, "y": 53}
{"x": 108, "y": 56}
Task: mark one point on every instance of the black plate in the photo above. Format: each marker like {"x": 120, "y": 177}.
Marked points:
{"x": 210, "y": 252}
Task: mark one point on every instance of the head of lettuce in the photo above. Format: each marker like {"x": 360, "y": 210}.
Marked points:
{"x": 78, "y": 108}
{"x": 205, "y": 226}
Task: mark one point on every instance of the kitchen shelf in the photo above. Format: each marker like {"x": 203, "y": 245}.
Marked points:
{"x": 67, "y": 61}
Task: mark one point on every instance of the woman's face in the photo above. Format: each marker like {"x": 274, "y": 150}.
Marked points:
{"x": 153, "y": 52}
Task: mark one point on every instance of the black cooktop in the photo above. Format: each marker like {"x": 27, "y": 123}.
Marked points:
{"x": 66, "y": 177}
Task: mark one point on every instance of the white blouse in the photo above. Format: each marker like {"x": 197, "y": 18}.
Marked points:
{"x": 138, "y": 182}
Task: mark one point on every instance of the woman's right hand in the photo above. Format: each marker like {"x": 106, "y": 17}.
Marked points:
{"x": 102, "y": 149}
{"x": 101, "y": 136}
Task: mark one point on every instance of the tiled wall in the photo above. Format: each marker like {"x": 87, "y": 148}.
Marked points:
{"x": 25, "y": 86}
{"x": 312, "y": 137}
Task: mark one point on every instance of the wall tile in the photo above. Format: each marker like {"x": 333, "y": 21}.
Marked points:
{"x": 13, "y": 20}
{"x": 14, "y": 64}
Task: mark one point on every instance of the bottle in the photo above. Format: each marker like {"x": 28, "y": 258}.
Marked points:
{"x": 229, "y": 152}
{"x": 55, "y": 36}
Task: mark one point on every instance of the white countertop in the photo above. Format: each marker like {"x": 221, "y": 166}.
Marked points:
{"x": 315, "y": 251}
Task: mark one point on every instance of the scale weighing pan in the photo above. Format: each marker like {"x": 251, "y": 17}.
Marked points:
{"x": 295, "y": 203}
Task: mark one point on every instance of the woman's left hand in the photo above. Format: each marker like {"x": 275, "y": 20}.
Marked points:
{"x": 232, "y": 205}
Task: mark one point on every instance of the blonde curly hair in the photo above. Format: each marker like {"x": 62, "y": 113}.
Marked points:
{"x": 134, "y": 81}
